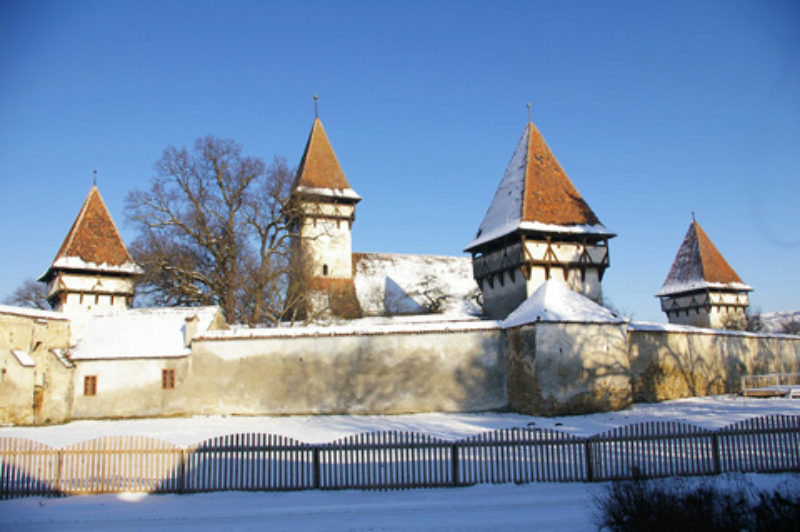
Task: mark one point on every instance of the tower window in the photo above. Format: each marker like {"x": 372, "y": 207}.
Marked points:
{"x": 324, "y": 269}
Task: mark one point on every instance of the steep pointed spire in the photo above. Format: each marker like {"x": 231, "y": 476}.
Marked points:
{"x": 536, "y": 194}
{"x": 93, "y": 242}
{"x": 319, "y": 170}
{"x": 698, "y": 265}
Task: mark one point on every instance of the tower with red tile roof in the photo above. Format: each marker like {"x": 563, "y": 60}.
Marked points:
{"x": 701, "y": 288}
{"x": 324, "y": 209}
{"x": 93, "y": 269}
{"x": 537, "y": 227}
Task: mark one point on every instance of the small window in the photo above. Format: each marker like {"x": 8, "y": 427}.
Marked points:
{"x": 90, "y": 385}
{"x": 168, "y": 379}
{"x": 324, "y": 269}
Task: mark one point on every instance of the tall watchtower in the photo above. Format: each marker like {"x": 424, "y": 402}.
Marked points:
{"x": 92, "y": 270}
{"x": 701, "y": 288}
{"x": 538, "y": 227}
{"x": 324, "y": 209}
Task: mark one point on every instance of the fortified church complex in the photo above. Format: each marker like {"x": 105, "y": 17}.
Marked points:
{"x": 539, "y": 343}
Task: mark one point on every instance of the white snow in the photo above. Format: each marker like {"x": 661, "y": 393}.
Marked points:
{"x": 539, "y": 506}
{"x": 348, "y": 193}
{"x": 394, "y": 283}
{"x": 139, "y": 333}
{"x": 673, "y": 327}
{"x": 427, "y": 323}
{"x": 689, "y": 285}
{"x": 554, "y": 301}
{"x": 23, "y": 358}
{"x": 707, "y": 412}
{"x": 77, "y": 263}
{"x": 32, "y": 313}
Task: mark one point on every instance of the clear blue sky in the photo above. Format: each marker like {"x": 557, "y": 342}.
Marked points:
{"x": 654, "y": 109}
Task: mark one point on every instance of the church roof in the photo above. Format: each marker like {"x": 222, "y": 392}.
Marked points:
{"x": 699, "y": 265}
{"x": 93, "y": 242}
{"x": 320, "y": 172}
{"x": 536, "y": 194}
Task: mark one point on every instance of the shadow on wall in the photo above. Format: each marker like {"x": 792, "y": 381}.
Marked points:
{"x": 396, "y": 374}
{"x": 671, "y": 365}
{"x": 397, "y": 301}
{"x": 555, "y": 369}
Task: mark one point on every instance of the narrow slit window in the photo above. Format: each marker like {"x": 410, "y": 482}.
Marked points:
{"x": 90, "y": 385}
{"x": 324, "y": 269}
{"x": 168, "y": 379}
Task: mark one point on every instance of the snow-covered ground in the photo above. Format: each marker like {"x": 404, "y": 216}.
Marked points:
{"x": 708, "y": 412}
{"x": 545, "y": 506}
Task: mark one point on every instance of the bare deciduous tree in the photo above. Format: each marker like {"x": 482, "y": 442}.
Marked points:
{"x": 214, "y": 228}
{"x": 31, "y": 294}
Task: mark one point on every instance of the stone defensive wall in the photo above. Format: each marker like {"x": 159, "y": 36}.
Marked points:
{"x": 544, "y": 368}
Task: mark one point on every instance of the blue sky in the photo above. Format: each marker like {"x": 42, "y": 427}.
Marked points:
{"x": 654, "y": 109}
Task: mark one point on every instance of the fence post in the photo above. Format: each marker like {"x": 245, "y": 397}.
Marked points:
{"x": 589, "y": 463}
{"x": 182, "y": 472}
{"x": 454, "y": 464}
{"x": 59, "y": 462}
{"x": 317, "y": 481}
{"x": 715, "y": 451}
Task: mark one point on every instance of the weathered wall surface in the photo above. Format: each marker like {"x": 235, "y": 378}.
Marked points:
{"x": 361, "y": 374}
{"x": 670, "y": 364}
{"x": 568, "y": 368}
{"x": 132, "y": 388}
{"x": 35, "y": 333}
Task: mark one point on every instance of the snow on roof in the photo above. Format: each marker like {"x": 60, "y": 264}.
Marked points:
{"x": 674, "y": 327}
{"x": 396, "y": 284}
{"x": 61, "y": 355}
{"x": 555, "y": 302}
{"x": 319, "y": 168}
{"x": 347, "y": 193}
{"x": 535, "y": 190}
{"x": 23, "y": 358}
{"x": 429, "y": 323}
{"x": 32, "y": 313}
{"x": 699, "y": 265}
{"x": 140, "y": 333}
{"x": 94, "y": 239}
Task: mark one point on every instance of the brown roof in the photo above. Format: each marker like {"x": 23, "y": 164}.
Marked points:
{"x": 549, "y": 196}
{"x": 319, "y": 167}
{"x": 699, "y": 264}
{"x": 93, "y": 236}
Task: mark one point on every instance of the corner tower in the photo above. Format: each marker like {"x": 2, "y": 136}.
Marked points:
{"x": 93, "y": 269}
{"x": 537, "y": 227}
{"x": 701, "y": 288}
{"x": 323, "y": 211}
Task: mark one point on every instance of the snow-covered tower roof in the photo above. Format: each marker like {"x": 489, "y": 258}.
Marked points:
{"x": 92, "y": 268}
{"x": 320, "y": 173}
{"x": 93, "y": 243}
{"x": 536, "y": 194}
{"x": 699, "y": 265}
{"x": 701, "y": 288}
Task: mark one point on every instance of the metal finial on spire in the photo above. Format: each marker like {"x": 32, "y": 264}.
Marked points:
{"x": 693, "y": 220}
{"x": 316, "y": 106}
{"x": 94, "y": 180}
{"x": 529, "y": 112}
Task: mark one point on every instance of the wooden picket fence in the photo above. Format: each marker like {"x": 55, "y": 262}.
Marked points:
{"x": 396, "y": 460}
